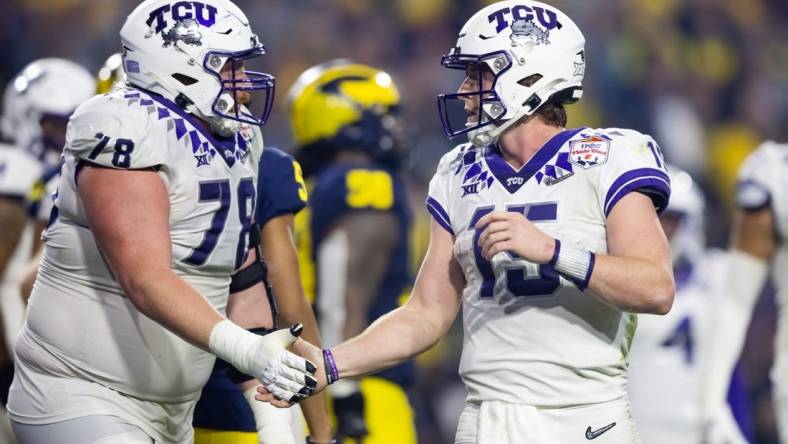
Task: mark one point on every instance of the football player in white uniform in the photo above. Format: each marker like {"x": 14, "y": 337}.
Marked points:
{"x": 36, "y": 106}
{"x": 667, "y": 361}
{"x": 548, "y": 238}
{"x": 153, "y": 210}
{"x": 760, "y": 227}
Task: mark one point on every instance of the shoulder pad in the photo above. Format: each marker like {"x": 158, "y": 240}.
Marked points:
{"x": 109, "y": 130}
{"x": 760, "y": 175}
{"x": 276, "y": 156}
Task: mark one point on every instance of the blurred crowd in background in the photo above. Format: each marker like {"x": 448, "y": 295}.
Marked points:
{"x": 707, "y": 78}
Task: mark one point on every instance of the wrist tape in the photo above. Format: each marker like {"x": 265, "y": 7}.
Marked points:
{"x": 573, "y": 263}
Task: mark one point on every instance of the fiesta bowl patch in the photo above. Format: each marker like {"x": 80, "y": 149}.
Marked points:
{"x": 589, "y": 152}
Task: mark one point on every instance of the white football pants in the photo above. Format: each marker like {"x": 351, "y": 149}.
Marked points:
{"x": 84, "y": 430}
{"x": 494, "y": 422}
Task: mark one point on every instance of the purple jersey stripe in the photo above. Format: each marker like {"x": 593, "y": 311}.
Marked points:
{"x": 651, "y": 181}
{"x": 655, "y": 188}
{"x": 440, "y": 215}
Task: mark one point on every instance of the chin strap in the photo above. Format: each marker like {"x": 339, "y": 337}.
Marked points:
{"x": 482, "y": 137}
{"x": 222, "y": 126}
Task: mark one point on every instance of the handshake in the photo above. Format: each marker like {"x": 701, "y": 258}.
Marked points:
{"x": 286, "y": 378}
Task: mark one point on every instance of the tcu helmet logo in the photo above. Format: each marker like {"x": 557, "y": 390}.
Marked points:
{"x": 525, "y": 31}
{"x": 200, "y": 13}
{"x": 546, "y": 17}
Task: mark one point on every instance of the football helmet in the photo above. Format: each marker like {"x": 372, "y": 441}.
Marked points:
{"x": 686, "y": 207}
{"x": 44, "y": 94}
{"x": 178, "y": 49}
{"x": 536, "y": 55}
{"x": 111, "y": 74}
{"x": 345, "y": 105}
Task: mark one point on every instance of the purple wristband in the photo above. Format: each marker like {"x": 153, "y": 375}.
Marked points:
{"x": 332, "y": 373}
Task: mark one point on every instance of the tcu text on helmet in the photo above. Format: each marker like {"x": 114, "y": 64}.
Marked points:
{"x": 546, "y": 17}
{"x": 204, "y": 14}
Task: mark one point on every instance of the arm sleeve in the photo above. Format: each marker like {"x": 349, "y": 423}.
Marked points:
{"x": 280, "y": 187}
{"x": 635, "y": 164}
{"x": 114, "y": 135}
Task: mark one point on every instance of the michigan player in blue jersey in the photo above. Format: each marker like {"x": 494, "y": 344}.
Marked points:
{"x": 227, "y": 412}
{"x": 343, "y": 116}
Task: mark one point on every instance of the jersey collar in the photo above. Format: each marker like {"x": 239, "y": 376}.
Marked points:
{"x": 505, "y": 173}
{"x": 225, "y": 147}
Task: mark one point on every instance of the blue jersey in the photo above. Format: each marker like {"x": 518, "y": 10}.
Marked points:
{"x": 280, "y": 190}
{"x": 343, "y": 189}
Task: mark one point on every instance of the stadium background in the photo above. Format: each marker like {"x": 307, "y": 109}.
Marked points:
{"x": 707, "y": 78}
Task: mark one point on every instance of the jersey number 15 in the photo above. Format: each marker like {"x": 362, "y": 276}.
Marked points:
{"x": 527, "y": 280}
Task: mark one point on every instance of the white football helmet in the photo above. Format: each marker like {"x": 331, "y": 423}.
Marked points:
{"x": 48, "y": 89}
{"x": 687, "y": 204}
{"x": 515, "y": 39}
{"x": 177, "y": 49}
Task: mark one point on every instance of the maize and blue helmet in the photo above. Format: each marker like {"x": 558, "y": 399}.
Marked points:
{"x": 345, "y": 105}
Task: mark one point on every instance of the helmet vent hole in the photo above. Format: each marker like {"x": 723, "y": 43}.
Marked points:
{"x": 227, "y": 32}
{"x": 184, "y": 79}
{"x": 530, "y": 80}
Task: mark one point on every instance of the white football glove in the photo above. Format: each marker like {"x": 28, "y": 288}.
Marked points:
{"x": 286, "y": 375}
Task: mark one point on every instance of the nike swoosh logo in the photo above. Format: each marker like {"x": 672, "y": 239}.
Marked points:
{"x": 593, "y": 434}
{"x": 550, "y": 181}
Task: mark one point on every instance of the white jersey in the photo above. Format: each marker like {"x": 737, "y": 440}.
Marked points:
{"x": 84, "y": 344}
{"x": 666, "y": 365}
{"x": 19, "y": 173}
{"x": 763, "y": 183}
{"x": 532, "y": 337}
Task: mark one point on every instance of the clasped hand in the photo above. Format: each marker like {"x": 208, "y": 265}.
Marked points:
{"x": 279, "y": 382}
{"x": 508, "y": 231}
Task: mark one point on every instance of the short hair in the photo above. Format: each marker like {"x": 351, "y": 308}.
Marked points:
{"x": 552, "y": 113}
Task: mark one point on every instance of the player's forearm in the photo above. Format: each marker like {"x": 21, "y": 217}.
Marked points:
{"x": 632, "y": 285}
{"x": 167, "y": 299}
{"x": 391, "y": 339}
{"x": 293, "y": 309}
{"x": 732, "y": 311}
